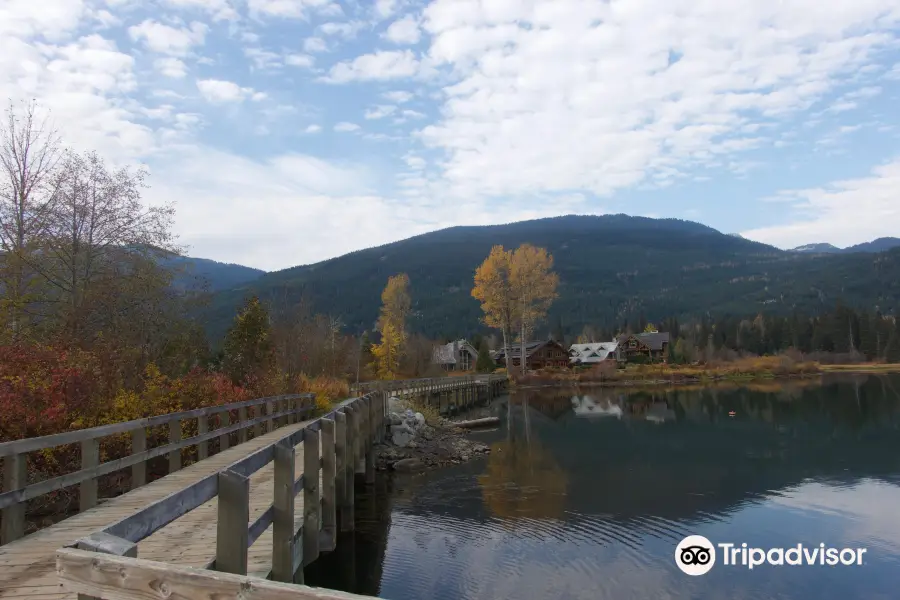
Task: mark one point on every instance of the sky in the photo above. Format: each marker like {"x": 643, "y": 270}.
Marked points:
{"x": 291, "y": 131}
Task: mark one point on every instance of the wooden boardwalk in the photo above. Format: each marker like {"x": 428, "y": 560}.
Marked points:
{"x": 28, "y": 565}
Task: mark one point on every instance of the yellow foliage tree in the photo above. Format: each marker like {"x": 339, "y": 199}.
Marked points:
{"x": 534, "y": 284}
{"x": 493, "y": 288}
{"x": 395, "y": 307}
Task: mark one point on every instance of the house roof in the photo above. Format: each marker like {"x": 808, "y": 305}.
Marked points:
{"x": 595, "y": 352}
{"x": 448, "y": 353}
{"x": 515, "y": 349}
{"x": 654, "y": 340}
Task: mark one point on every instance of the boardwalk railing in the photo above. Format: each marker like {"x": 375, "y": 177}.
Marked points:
{"x": 335, "y": 448}
{"x": 267, "y": 414}
{"x": 447, "y": 394}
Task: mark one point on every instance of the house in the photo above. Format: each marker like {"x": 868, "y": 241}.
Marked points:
{"x": 591, "y": 354}
{"x": 455, "y": 356}
{"x": 653, "y": 345}
{"x": 537, "y": 355}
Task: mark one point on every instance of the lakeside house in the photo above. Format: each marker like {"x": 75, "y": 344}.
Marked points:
{"x": 455, "y": 356}
{"x": 538, "y": 355}
{"x": 592, "y": 354}
{"x": 652, "y": 345}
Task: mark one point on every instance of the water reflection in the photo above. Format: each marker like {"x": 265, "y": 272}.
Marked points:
{"x": 580, "y": 502}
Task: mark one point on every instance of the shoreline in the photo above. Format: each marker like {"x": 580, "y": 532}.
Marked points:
{"x": 430, "y": 446}
{"x": 652, "y": 380}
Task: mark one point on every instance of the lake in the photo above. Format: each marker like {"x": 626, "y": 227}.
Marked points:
{"x": 587, "y": 493}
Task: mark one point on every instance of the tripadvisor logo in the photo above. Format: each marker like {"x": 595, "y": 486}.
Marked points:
{"x": 696, "y": 555}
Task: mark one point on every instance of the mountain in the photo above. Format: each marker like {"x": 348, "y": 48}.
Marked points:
{"x": 217, "y": 275}
{"x": 818, "y": 249}
{"x": 611, "y": 268}
{"x": 879, "y": 245}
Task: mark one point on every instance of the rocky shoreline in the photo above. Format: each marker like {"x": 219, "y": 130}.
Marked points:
{"x": 411, "y": 445}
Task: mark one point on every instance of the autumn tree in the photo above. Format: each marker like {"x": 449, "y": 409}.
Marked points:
{"x": 494, "y": 289}
{"x": 533, "y": 285}
{"x": 29, "y": 154}
{"x": 395, "y": 308}
{"x": 249, "y": 352}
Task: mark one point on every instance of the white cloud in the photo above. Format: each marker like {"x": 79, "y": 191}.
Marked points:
{"x": 638, "y": 88}
{"x": 413, "y": 114}
{"x": 381, "y": 65}
{"x": 379, "y": 112}
{"x": 221, "y": 91}
{"x": 293, "y": 9}
{"x": 300, "y": 60}
{"x": 398, "y": 96}
{"x": 384, "y": 9}
{"x": 894, "y": 73}
{"x": 404, "y": 31}
{"x": 263, "y": 59}
{"x": 313, "y": 129}
{"x": 177, "y": 41}
{"x": 315, "y": 44}
{"x": 170, "y": 67}
{"x": 346, "y": 30}
{"x": 345, "y": 127}
{"x": 843, "y": 213}
{"x": 221, "y": 10}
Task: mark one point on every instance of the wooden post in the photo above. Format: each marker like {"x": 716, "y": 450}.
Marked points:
{"x": 242, "y": 419}
{"x": 340, "y": 485}
{"x": 15, "y": 477}
{"x": 311, "y": 502}
{"x": 202, "y": 428}
{"x": 270, "y": 410}
{"x": 174, "y": 437}
{"x": 358, "y": 450}
{"x": 139, "y": 470}
{"x": 368, "y": 433}
{"x": 224, "y": 442}
{"x": 283, "y": 520}
{"x": 260, "y": 427}
{"x": 104, "y": 543}
{"x": 349, "y": 519}
{"x": 87, "y": 491}
{"x": 329, "y": 472}
{"x": 232, "y": 535}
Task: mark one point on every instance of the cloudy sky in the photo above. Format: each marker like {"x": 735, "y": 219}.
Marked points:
{"x": 289, "y": 131}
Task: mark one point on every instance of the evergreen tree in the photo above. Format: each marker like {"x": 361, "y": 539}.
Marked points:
{"x": 248, "y": 351}
{"x": 484, "y": 363}
{"x": 868, "y": 342}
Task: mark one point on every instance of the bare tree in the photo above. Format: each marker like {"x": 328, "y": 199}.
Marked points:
{"x": 29, "y": 156}
{"x": 102, "y": 244}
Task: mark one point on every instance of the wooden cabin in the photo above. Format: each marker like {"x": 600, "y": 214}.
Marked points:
{"x": 653, "y": 345}
{"x": 538, "y": 355}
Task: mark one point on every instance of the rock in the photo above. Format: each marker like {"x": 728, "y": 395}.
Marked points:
{"x": 412, "y": 444}
{"x": 393, "y": 404}
{"x": 408, "y": 465}
{"x": 420, "y": 419}
{"x": 401, "y": 438}
{"x": 394, "y": 419}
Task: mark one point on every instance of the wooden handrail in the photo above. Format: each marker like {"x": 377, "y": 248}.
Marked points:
{"x": 15, "y": 482}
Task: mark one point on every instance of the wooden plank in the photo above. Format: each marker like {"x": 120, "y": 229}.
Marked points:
{"x": 270, "y": 423}
{"x": 311, "y": 503}
{"x": 283, "y": 523}
{"x": 123, "y": 578}
{"x": 138, "y": 446}
{"x": 107, "y": 544}
{"x": 259, "y": 526}
{"x": 14, "y": 477}
{"x": 231, "y": 524}
{"x": 202, "y": 429}
{"x": 90, "y": 457}
{"x": 174, "y": 438}
{"x": 329, "y": 473}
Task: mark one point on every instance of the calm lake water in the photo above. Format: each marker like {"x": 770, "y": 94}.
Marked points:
{"x": 586, "y": 495}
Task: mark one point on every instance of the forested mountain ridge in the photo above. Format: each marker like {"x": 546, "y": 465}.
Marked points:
{"x": 192, "y": 272}
{"x": 612, "y": 268}
{"x": 877, "y": 245}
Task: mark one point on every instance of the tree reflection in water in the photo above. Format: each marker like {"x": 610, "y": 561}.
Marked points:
{"x": 522, "y": 480}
